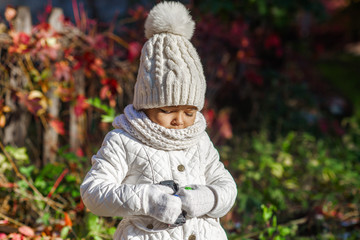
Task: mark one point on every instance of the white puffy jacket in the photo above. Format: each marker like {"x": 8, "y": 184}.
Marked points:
{"x": 122, "y": 163}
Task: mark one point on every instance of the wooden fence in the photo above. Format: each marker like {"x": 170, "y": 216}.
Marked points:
{"x": 15, "y": 77}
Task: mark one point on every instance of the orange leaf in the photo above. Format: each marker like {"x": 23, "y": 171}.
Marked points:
{"x": 10, "y": 13}
{"x": 67, "y": 219}
{"x": 58, "y": 126}
{"x": 2, "y": 121}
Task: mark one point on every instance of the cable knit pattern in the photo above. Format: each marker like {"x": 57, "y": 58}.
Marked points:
{"x": 138, "y": 125}
{"x": 170, "y": 71}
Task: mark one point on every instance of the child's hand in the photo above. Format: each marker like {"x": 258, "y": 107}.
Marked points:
{"x": 197, "y": 200}
{"x": 159, "y": 203}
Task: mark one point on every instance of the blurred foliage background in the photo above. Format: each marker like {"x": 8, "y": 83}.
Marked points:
{"x": 282, "y": 107}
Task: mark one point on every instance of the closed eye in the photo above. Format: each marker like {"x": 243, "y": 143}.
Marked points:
{"x": 165, "y": 111}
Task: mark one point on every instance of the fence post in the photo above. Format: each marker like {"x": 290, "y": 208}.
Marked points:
{"x": 77, "y": 123}
{"x": 22, "y": 22}
{"x": 15, "y": 131}
{"x": 50, "y": 141}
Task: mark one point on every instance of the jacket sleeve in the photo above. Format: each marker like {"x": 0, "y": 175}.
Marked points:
{"x": 102, "y": 191}
{"x": 220, "y": 181}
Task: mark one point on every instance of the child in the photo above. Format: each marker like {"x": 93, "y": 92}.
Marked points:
{"x": 160, "y": 137}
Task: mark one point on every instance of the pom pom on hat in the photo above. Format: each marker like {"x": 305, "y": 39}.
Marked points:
{"x": 170, "y": 72}
{"x": 169, "y": 17}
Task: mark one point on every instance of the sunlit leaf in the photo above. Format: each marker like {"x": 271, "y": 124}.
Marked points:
{"x": 18, "y": 153}
{"x": 58, "y": 126}
{"x": 27, "y": 231}
{"x": 27, "y": 170}
{"x": 65, "y": 232}
{"x": 67, "y": 220}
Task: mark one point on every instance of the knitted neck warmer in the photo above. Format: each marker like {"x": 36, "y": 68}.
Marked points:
{"x": 138, "y": 125}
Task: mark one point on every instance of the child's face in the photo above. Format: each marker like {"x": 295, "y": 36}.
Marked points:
{"x": 174, "y": 117}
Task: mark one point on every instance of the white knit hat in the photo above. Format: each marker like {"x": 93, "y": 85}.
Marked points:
{"x": 170, "y": 71}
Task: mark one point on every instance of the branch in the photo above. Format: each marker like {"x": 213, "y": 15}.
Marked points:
{"x": 11, "y": 220}
{"x": 50, "y": 202}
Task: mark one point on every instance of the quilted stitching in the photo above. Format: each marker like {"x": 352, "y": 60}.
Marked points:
{"x": 109, "y": 188}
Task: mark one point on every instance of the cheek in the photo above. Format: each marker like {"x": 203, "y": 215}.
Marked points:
{"x": 163, "y": 120}
{"x": 190, "y": 121}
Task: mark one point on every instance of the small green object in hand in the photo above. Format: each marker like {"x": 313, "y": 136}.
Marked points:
{"x": 188, "y": 188}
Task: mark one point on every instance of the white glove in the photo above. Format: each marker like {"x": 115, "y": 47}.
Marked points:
{"x": 158, "y": 202}
{"x": 197, "y": 201}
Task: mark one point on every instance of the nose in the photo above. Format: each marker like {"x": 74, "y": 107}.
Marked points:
{"x": 178, "y": 120}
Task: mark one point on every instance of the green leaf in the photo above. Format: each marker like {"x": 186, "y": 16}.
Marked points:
{"x": 18, "y": 153}
{"x": 75, "y": 193}
{"x": 45, "y": 73}
{"x": 267, "y": 212}
{"x": 287, "y": 142}
{"x": 40, "y": 183}
{"x": 271, "y": 231}
{"x": 65, "y": 232}
{"x": 22, "y": 184}
{"x": 97, "y": 237}
{"x": 27, "y": 170}
{"x": 70, "y": 178}
{"x": 45, "y": 218}
{"x": 92, "y": 221}
{"x": 111, "y": 231}
{"x": 274, "y": 221}
{"x": 284, "y": 231}
{"x": 107, "y": 118}
{"x": 278, "y": 238}
{"x": 277, "y": 169}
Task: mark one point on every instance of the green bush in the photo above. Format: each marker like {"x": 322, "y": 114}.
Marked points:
{"x": 300, "y": 175}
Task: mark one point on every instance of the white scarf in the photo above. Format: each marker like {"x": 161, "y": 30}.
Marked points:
{"x": 138, "y": 125}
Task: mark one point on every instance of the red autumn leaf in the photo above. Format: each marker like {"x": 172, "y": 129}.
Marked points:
{"x": 97, "y": 42}
{"x": 66, "y": 94}
{"x": 109, "y": 90}
{"x": 79, "y": 152}
{"x": 20, "y": 42}
{"x": 26, "y": 231}
{"x": 81, "y": 105}
{"x": 96, "y": 66}
{"x": 48, "y": 8}
{"x": 58, "y": 126}
{"x": 15, "y": 236}
{"x": 62, "y": 71}
{"x": 254, "y": 78}
{"x": 323, "y": 125}
{"x": 32, "y": 104}
{"x": 237, "y": 33}
{"x": 225, "y": 127}
{"x": 272, "y": 41}
{"x": 4, "y": 222}
{"x": 209, "y": 115}
{"x": 91, "y": 64}
{"x": 134, "y": 50}
{"x": 138, "y": 13}
{"x": 67, "y": 219}
{"x": 337, "y": 128}
{"x": 80, "y": 206}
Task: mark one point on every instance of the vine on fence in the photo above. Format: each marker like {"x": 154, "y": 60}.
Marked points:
{"x": 49, "y": 73}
